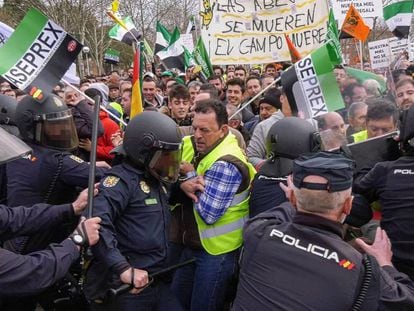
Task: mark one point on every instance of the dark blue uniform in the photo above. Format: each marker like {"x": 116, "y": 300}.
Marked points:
{"x": 135, "y": 218}
{"x": 299, "y": 261}
{"x": 266, "y": 194}
{"x": 392, "y": 183}
{"x": 49, "y": 176}
{"x": 29, "y": 274}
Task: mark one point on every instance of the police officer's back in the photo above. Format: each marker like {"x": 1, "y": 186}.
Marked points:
{"x": 297, "y": 260}
{"x": 287, "y": 139}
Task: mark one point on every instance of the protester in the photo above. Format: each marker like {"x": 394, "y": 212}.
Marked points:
{"x": 179, "y": 104}
{"x": 234, "y": 96}
{"x": 256, "y": 151}
{"x": 382, "y": 117}
{"x": 218, "y": 183}
{"x": 357, "y": 114}
{"x": 404, "y": 91}
{"x": 240, "y": 73}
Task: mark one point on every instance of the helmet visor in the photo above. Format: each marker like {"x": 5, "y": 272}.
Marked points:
{"x": 57, "y": 130}
{"x": 11, "y": 147}
{"x": 165, "y": 165}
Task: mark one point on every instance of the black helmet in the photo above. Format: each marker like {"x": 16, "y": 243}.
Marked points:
{"x": 7, "y": 114}
{"x": 152, "y": 142}
{"x": 286, "y": 140}
{"x": 49, "y": 123}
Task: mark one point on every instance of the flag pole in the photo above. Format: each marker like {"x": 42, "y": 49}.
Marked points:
{"x": 361, "y": 55}
{"x": 255, "y": 97}
{"x": 92, "y": 101}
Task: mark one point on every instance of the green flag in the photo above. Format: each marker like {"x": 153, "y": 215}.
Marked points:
{"x": 163, "y": 38}
{"x": 201, "y": 58}
{"x": 362, "y": 75}
{"x": 333, "y": 34}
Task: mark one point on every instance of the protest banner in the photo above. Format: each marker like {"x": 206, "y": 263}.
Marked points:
{"x": 248, "y": 32}
{"x": 367, "y": 8}
{"x": 379, "y": 53}
{"x": 37, "y": 54}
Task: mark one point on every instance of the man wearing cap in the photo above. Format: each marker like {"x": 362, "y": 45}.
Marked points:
{"x": 295, "y": 257}
{"x": 256, "y": 151}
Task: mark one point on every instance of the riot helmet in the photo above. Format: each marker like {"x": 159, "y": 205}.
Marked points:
{"x": 286, "y": 140}
{"x": 152, "y": 141}
{"x": 49, "y": 123}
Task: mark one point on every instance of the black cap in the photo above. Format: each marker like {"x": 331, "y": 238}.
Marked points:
{"x": 334, "y": 167}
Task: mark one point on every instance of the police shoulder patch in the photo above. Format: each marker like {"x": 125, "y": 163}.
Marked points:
{"x": 110, "y": 181}
{"x": 76, "y": 159}
{"x": 144, "y": 187}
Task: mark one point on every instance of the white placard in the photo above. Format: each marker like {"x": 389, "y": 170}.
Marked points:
{"x": 379, "y": 53}
{"x": 367, "y": 9}
{"x": 187, "y": 41}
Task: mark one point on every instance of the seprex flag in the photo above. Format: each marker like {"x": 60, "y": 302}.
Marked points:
{"x": 310, "y": 84}
{"x": 37, "y": 55}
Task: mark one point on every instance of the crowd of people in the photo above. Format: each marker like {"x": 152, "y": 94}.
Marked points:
{"x": 266, "y": 209}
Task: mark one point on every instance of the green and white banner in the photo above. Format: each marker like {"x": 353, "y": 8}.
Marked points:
{"x": 119, "y": 33}
{"x": 37, "y": 55}
{"x": 310, "y": 84}
{"x": 397, "y": 16}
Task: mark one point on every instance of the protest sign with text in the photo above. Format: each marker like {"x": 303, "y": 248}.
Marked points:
{"x": 248, "y": 32}
{"x": 379, "y": 53}
{"x": 367, "y": 8}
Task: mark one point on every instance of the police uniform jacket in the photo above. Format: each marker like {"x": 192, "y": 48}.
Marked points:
{"x": 135, "y": 217}
{"x": 392, "y": 183}
{"x": 300, "y": 262}
{"x": 29, "y": 274}
{"x": 50, "y": 176}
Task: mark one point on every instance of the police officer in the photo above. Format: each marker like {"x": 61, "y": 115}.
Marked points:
{"x": 52, "y": 174}
{"x": 392, "y": 183}
{"x": 295, "y": 258}
{"x": 132, "y": 203}
{"x": 28, "y": 274}
{"x": 287, "y": 139}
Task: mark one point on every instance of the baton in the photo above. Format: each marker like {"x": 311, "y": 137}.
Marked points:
{"x": 112, "y": 292}
{"x": 92, "y": 158}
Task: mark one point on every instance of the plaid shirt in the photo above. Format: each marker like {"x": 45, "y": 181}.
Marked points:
{"x": 221, "y": 183}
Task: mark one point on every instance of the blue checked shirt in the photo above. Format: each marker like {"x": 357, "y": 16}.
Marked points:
{"x": 221, "y": 183}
